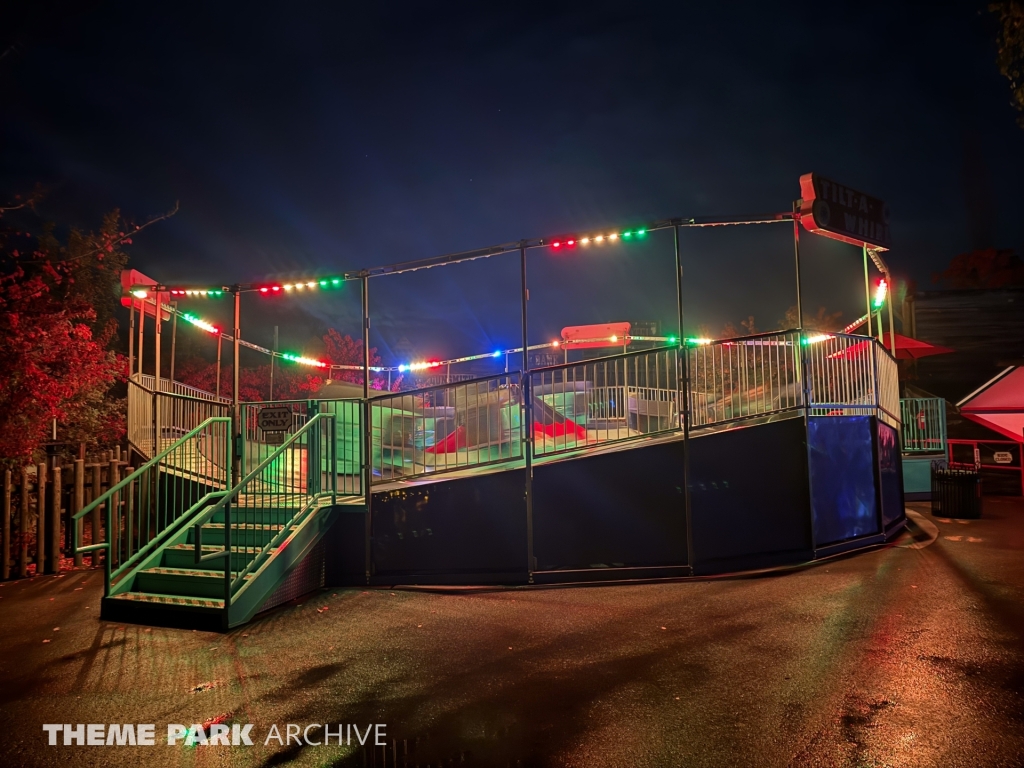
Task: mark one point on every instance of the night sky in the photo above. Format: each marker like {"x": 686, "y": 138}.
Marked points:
{"x": 310, "y": 138}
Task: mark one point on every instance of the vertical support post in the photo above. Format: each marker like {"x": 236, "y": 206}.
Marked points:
{"x": 683, "y": 399}
{"x": 796, "y": 259}
{"x": 273, "y": 361}
{"x": 236, "y": 422}
{"x": 55, "y": 521}
{"x": 142, "y": 328}
{"x": 157, "y": 424}
{"x": 5, "y": 530}
{"x": 158, "y": 322}
{"x": 131, "y": 336}
{"x": 892, "y": 328}
{"x": 97, "y": 532}
{"x": 40, "y": 519}
{"x": 113, "y": 510}
{"x": 531, "y": 562}
{"x": 367, "y": 436}
{"x": 220, "y": 343}
{"x": 79, "y": 503}
{"x": 867, "y": 293}
{"x": 23, "y": 527}
{"x": 174, "y": 341}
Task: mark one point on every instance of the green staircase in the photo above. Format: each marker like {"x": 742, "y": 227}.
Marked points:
{"x": 216, "y": 555}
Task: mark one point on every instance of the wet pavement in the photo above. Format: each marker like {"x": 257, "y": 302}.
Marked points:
{"x": 912, "y": 655}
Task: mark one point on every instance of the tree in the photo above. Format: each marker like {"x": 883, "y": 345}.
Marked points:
{"x": 988, "y": 268}
{"x": 1010, "y": 49}
{"x": 54, "y": 368}
{"x": 57, "y": 331}
{"x": 291, "y": 382}
{"x": 822, "y": 320}
{"x": 344, "y": 350}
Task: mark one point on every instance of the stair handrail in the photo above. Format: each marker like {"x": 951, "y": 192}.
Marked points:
{"x": 225, "y": 504}
{"x": 107, "y": 497}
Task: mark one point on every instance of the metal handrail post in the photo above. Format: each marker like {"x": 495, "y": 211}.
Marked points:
{"x": 367, "y": 441}
{"x": 527, "y": 420}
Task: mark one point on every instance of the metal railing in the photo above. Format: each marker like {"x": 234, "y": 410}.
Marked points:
{"x": 851, "y": 376}
{"x": 446, "y": 427}
{"x": 605, "y": 400}
{"x": 261, "y": 510}
{"x": 348, "y": 441}
{"x": 146, "y": 506}
{"x": 736, "y": 379}
{"x": 148, "y": 381}
{"x": 924, "y": 424}
{"x": 177, "y": 415}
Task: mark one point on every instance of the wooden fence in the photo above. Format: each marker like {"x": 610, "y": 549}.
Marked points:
{"x": 38, "y": 501}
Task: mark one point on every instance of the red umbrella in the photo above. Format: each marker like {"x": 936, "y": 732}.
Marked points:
{"x": 906, "y": 348}
{"x": 911, "y": 349}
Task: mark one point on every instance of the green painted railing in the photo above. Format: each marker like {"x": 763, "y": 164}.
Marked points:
{"x": 924, "y": 424}
{"x": 260, "y": 511}
{"x": 141, "y": 511}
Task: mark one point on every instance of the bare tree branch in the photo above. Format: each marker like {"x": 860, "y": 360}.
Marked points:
{"x": 138, "y": 228}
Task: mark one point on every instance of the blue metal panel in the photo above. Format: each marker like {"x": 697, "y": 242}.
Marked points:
{"x": 842, "y": 471}
{"x": 890, "y": 474}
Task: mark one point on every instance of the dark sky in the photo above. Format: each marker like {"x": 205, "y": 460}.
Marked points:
{"x": 306, "y": 138}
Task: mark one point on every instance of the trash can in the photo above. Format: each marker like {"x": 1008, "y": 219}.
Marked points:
{"x": 956, "y": 490}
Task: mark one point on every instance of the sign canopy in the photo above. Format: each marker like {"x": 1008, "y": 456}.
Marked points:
{"x": 596, "y": 336}
{"x": 132, "y": 277}
{"x": 841, "y": 213}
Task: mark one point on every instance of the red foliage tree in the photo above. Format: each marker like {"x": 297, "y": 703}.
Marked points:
{"x": 54, "y": 368}
{"x": 57, "y": 329}
{"x": 988, "y": 268}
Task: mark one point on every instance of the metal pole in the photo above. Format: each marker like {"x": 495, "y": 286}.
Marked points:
{"x": 236, "y": 422}
{"x": 220, "y": 341}
{"x": 142, "y": 326}
{"x": 683, "y": 399}
{"x": 157, "y": 425}
{"x": 867, "y": 291}
{"x": 892, "y": 328}
{"x": 174, "y": 340}
{"x": 273, "y": 358}
{"x": 367, "y": 431}
{"x": 796, "y": 258}
{"x": 131, "y": 337}
{"x": 531, "y": 562}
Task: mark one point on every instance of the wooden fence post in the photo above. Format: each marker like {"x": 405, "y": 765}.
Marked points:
{"x": 97, "y": 532}
{"x": 23, "y": 527}
{"x": 5, "y": 555}
{"x": 129, "y": 497}
{"x": 114, "y": 534}
{"x": 55, "y": 538}
{"x": 40, "y": 519}
{"x": 79, "y": 504}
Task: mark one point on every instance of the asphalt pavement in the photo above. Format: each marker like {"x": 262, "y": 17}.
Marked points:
{"x": 909, "y": 655}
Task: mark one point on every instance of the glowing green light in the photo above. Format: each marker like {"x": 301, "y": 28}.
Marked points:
{"x": 627, "y": 234}
{"x": 641, "y": 232}
{"x": 671, "y": 339}
{"x": 336, "y": 281}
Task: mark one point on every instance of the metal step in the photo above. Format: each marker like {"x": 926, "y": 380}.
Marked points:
{"x": 183, "y": 556}
{"x": 170, "y": 600}
{"x": 184, "y": 582}
{"x": 247, "y": 534}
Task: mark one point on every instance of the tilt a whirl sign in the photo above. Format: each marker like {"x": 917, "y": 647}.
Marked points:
{"x": 836, "y": 211}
